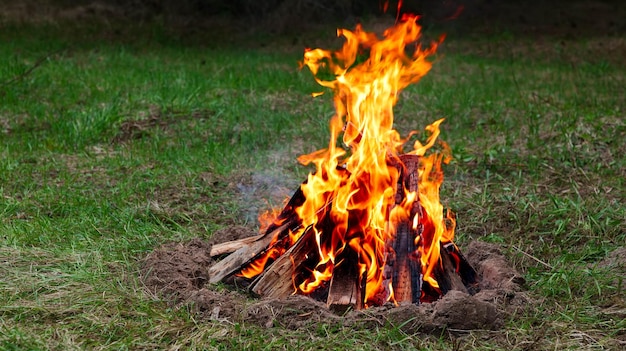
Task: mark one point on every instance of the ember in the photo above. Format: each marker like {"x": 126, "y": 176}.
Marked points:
{"x": 367, "y": 227}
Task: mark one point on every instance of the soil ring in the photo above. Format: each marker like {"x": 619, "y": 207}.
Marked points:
{"x": 178, "y": 272}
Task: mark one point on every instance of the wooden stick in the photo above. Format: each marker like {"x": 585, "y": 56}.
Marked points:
{"x": 277, "y": 232}
{"x": 451, "y": 280}
{"x": 406, "y": 277}
{"x": 277, "y": 279}
{"x": 37, "y": 63}
{"x": 288, "y": 213}
{"x": 345, "y": 286}
{"x": 468, "y": 275}
{"x": 286, "y": 222}
{"x": 236, "y": 261}
{"x": 232, "y": 246}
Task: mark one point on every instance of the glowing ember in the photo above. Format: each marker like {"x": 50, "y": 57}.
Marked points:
{"x": 355, "y": 184}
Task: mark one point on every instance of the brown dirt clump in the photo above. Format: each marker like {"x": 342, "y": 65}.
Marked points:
{"x": 294, "y": 312}
{"x": 492, "y": 268}
{"x": 501, "y": 285}
{"x": 456, "y": 311}
{"x": 216, "y": 305}
{"x": 179, "y": 272}
{"x": 177, "y": 269}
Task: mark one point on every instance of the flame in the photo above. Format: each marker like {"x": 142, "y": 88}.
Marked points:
{"x": 256, "y": 267}
{"x": 268, "y": 217}
{"x": 356, "y": 177}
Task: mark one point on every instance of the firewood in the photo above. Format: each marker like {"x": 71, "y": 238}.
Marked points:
{"x": 406, "y": 276}
{"x": 346, "y": 291}
{"x": 286, "y": 222}
{"x": 277, "y": 232}
{"x": 288, "y": 213}
{"x": 232, "y": 246}
{"x": 237, "y": 260}
{"x": 346, "y": 288}
{"x": 408, "y": 175}
{"x": 468, "y": 275}
{"x": 277, "y": 279}
{"x": 406, "y": 268}
{"x": 449, "y": 278}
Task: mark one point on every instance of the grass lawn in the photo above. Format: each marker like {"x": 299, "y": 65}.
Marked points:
{"x": 114, "y": 146}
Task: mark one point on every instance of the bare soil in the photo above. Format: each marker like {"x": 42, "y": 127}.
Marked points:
{"x": 178, "y": 272}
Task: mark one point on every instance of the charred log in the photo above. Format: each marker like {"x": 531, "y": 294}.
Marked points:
{"x": 345, "y": 286}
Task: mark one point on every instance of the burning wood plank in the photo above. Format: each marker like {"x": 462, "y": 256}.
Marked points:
{"x": 466, "y": 272}
{"x": 449, "y": 276}
{"x": 277, "y": 279}
{"x": 275, "y": 234}
{"x": 406, "y": 266}
{"x": 235, "y": 262}
{"x": 346, "y": 284}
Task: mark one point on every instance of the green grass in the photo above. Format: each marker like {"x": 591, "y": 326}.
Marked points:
{"x": 111, "y": 148}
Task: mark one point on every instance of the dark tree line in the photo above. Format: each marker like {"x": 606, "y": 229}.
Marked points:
{"x": 262, "y": 8}
{"x": 584, "y": 16}
{"x": 318, "y": 10}
{"x": 275, "y": 15}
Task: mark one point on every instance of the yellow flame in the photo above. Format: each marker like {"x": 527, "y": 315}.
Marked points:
{"x": 360, "y": 180}
{"x": 355, "y": 181}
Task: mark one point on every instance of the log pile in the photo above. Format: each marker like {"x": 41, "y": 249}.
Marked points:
{"x": 346, "y": 289}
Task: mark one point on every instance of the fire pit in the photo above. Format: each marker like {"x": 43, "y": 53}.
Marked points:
{"x": 367, "y": 227}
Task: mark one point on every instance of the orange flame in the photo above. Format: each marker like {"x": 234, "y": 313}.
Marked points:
{"x": 256, "y": 267}
{"x": 355, "y": 181}
{"x": 363, "y": 194}
{"x": 268, "y": 217}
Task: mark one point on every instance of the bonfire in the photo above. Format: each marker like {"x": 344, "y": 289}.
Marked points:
{"x": 367, "y": 227}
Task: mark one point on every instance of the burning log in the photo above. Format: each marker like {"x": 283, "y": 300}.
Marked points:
{"x": 449, "y": 280}
{"x": 407, "y": 268}
{"x": 275, "y": 235}
{"x": 277, "y": 280}
{"x": 346, "y": 285}
{"x": 239, "y": 259}
{"x": 466, "y": 272}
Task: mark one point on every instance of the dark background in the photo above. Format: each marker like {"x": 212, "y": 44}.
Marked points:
{"x": 460, "y": 17}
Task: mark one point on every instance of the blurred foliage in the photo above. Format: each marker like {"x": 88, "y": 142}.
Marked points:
{"x": 563, "y": 18}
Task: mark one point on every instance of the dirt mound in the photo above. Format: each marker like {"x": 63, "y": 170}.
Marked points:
{"x": 456, "y": 311}
{"x": 178, "y": 272}
{"x": 293, "y": 312}
{"x": 177, "y": 269}
{"x": 500, "y": 284}
{"x": 492, "y": 267}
